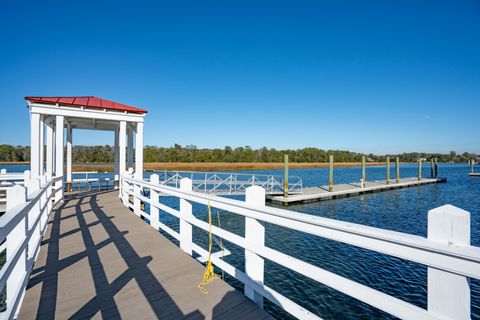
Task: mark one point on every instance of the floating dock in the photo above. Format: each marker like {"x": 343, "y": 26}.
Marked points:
{"x": 474, "y": 174}
{"x": 348, "y": 190}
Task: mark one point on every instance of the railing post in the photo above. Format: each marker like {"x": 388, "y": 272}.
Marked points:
{"x": 16, "y": 195}
{"x": 388, "y": 169}
{"x": 448, "y": 293}
{"x": 254, "y": 234}
{"x": 185, "y": 212}
{"x": 285, "y": 177}
{"x": 33, "y": 215}
{"x": 154, "y": 212}
{"x": 397, "y": 169}
{"x": 364, "y": 175}
{"x": 330, "y": 180}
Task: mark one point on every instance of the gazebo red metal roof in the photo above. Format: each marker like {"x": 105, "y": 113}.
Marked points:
{"x": 87, "y": 102}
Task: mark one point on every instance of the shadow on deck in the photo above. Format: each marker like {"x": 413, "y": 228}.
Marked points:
{"x": 98, "y": 260}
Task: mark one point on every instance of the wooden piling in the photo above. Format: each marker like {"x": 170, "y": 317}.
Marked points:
{"x": 388, "y": 169}
{"x": 397, "y": 169}
{"x": 436, "y": 167}
{"x": 363, "y": 172}
{"x": 285, "y": 177}
{"x": 419, "y": 169}
{"x": 330, "y": 182}
{"x": 472, "y": 163}
{"x": 432, "y": 168}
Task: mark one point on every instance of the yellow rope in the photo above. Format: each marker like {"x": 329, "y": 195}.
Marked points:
{"x": 209, "y": 274}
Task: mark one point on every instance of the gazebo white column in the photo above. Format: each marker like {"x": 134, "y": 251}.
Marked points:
{"x": 139, "y": 151}
{"x": 129, "y": 147}
{"x": 115, "y": 159}
{"x": 69, "y": 157}
{"x": 138, "y": 166}
{"x": 42, "y": 145}
{"x": 59, "y": 157}
{"x": 121, "y": 156}
{"x": 50, "y": 141}
{"x": 122, "y": 146}
{"x": 34, "y": 144}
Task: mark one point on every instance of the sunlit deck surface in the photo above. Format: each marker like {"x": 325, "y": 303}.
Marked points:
{"x": 99, "y": 260}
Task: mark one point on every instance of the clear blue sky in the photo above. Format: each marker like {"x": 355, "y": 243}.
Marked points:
{"x": 368, "y": 76}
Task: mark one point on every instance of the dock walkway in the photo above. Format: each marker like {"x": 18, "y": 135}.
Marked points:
{"x": 99, "y": 260}
{"x": 348, "y": 190}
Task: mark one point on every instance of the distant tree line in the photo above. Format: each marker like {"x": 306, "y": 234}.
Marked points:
{"x": 190, "y": 153}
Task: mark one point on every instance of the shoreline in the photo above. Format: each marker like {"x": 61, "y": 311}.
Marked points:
{"x": 215, "y": 166}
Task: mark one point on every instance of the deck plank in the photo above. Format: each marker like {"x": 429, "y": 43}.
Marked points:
{"x": 99, "y": 260}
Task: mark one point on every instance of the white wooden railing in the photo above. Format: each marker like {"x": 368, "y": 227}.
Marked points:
{"x": 447, "y": 252}
{"x": 21, "y": 230}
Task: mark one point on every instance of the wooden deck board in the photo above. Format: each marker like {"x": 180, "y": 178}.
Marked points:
{"x": 99, "y": 260}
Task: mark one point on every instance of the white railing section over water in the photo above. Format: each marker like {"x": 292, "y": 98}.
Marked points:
{"x": 21, "y": 230}
{"x": 80, "y": 178}
{"x": 8, "y": 180}
{"x": 227, "y": 182}
{"x": 447, "y": 252}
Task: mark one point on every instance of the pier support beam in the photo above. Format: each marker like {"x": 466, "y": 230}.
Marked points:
{"x": 364, "y": 176}
{"x": 59, "y": 125}
{"x": 255, "y": 234}
{"x": 388, "y": 169}
{"x": 448, "y": 293}
{"x": 285, "y": 177}
{"x": 330, "y": 180}
{"x": 397, "y": 169}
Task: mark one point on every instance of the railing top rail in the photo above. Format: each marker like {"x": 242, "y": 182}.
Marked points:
{"x": 12, "y": 176}
{"x": 84, "y": 172}
{"x": 403, "y": 245}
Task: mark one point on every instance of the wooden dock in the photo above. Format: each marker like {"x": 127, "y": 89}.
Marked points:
{"x": 348, "y": 190}
{"x": 99, "y": 260}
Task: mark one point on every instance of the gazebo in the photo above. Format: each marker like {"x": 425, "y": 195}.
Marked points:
{"x": 50, "y": 116}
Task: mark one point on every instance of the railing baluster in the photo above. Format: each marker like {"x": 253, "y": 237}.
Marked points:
{"x": 185, "y": 212}
{"x": 449, "y": 293}
{"x": 255, "y": 234}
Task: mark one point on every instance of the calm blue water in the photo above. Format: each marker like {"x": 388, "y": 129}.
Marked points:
{"x": 403, "y": 210}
